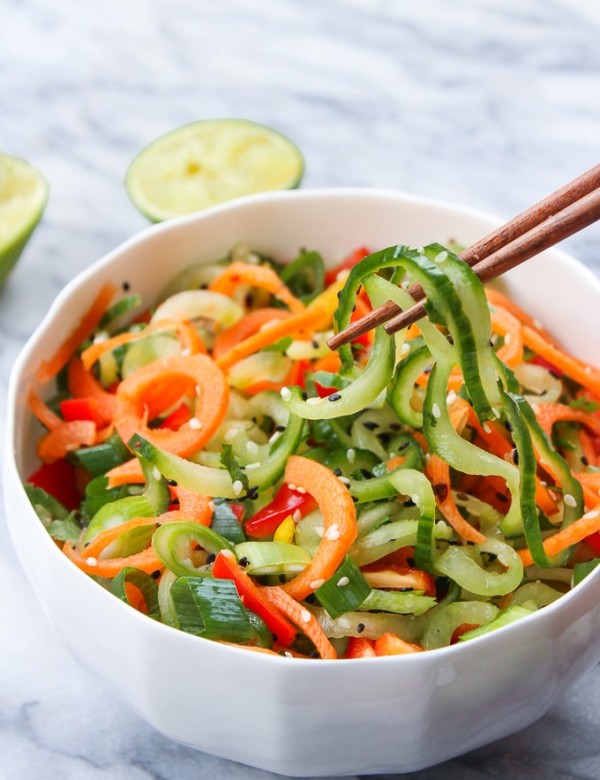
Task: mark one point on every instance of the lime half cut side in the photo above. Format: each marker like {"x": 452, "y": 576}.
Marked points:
{"x": 23, "y": 197}
{"x": 210, "y": 162}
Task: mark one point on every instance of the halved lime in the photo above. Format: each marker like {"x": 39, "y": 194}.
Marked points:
{"x": 209, "y": 162}
{"x": 23, "y": 197}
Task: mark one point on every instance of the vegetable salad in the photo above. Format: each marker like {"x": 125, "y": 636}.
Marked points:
{"x": 211, "y": 462}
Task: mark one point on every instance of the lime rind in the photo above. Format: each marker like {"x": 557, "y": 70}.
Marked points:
{"x": 23, "y": 197}
{"x": 208, "y": 162}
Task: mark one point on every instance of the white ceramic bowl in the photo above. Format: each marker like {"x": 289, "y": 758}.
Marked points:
{"x": 300, "y": 717}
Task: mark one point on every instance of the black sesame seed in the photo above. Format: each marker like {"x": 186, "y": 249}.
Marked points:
{"x": 450, "y": 339}
{"x": 502, "y": 498}
{"x": 281, "y": 578}
{"x": 515, "y": 457}
{"x": 243, "y": 562}
{"x": 304, "y": 396}
{"x": 337, "y": 472}
{"x": 315, "y": 344}
{"x": 371, "y": 425}
{"x": 405, "y": 590}
{"x": 508, "y": 426}
{"x": 279, "y": 428}
{"x": 403, "y": 446}
{"x": 428, "y": 370}
{"x": 408, "y": 502}
{"x": 441, "y": 490}
{"x": 396, "y": 427}
{"x": 335, "y": 396}
{"x": 210, "y": 557}
{"x": 410, "y": 562}
{"x": 126, "y": 286}
{"x": 366, "y": 474}
{"x": 584, "y": 460}
{"x": 360, "y": 628}
{"x": 172, "y": 482}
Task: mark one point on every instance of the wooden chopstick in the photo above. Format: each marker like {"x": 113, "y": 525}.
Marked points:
{"x": 564, "y": 212}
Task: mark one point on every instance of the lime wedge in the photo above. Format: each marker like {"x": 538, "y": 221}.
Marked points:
{"x": 23, "y": 197}
{"x": 209, "y": 162}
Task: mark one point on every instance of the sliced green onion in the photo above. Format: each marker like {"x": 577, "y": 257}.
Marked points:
{"x": 345, "y": 591}
{"x": 146, "y": 584}
{"x": 211, "y": 608}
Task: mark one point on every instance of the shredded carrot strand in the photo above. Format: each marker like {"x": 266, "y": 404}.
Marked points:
{"x": 147, "y": 391}
{"x": 585, "y": 375}
{"x": 310, "y": 318}
{"x": 83, "y": 330}
{"x": 246, "y": 327}
{"x": 549, "y": 414}
{"x": 572, "y": 534}
{"x": 339, "y": 522}
{"x": 438, "y": 472}
{"x": 261, "y": 276}
{"x": 301, "y": 617}
{"x": 186, "y": 332}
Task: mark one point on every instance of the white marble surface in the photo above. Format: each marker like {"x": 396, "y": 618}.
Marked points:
{"x": 489, "y": 104}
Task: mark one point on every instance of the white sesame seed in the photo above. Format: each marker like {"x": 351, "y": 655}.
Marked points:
{"x": 451, "y": 397}
{"x": 91, "y": 561}
{"x": 297, "y": 516}
{"x": 415, "y": 500}
{"x": 100, "y": 337}
{"x": 287, "y": 654}
{"x": 313, "y": 401}
{"x": 156, "y": 473}
{"x": 486, "y": 428}
{"x": 439, "y": 258}
{"x": 405, "y": 350}
{"x": 300, "y": 489}
{"x": 198, "y": 390}
{"x": 332, "y": 533}
{"x": 570, "y": 500}
{"x": 285, "y": 393}
{"x": 230, "y": 435}
{"x": 185, "y": 352}
{"x": 251, "y": 466}
{"x": 274, "y": 437}
{"x": 507, "y": 339}
{"x": 496, "y": 413}
{"x": 343, "y": 581}
{"x": 291, "y": 486}
{"x": 252, "y": 447}
{"x": 344, "y": 480}
{"x": 351, "y": 455}
{"x": 316, "y": 584}
{"x": 436, "y": 411}
{"x": 305, "y": 615}
{"x": 195, "y": 424}
{"x": 237, "y": 487}
{"x": 592, "y": 515}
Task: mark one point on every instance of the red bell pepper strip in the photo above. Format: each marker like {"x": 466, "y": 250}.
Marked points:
{"x": 286, "y": 502}
{"x": 360, "y": 648}
{"x": 226, "y": 567}
{"x": 346, "y": 264}
{"x": 59, "y": 479}
{"x": 73, "y": 409}
{"x": 177, "y": 418}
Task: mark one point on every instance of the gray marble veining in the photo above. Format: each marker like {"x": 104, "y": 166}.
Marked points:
{"x": 489, "y": 105}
